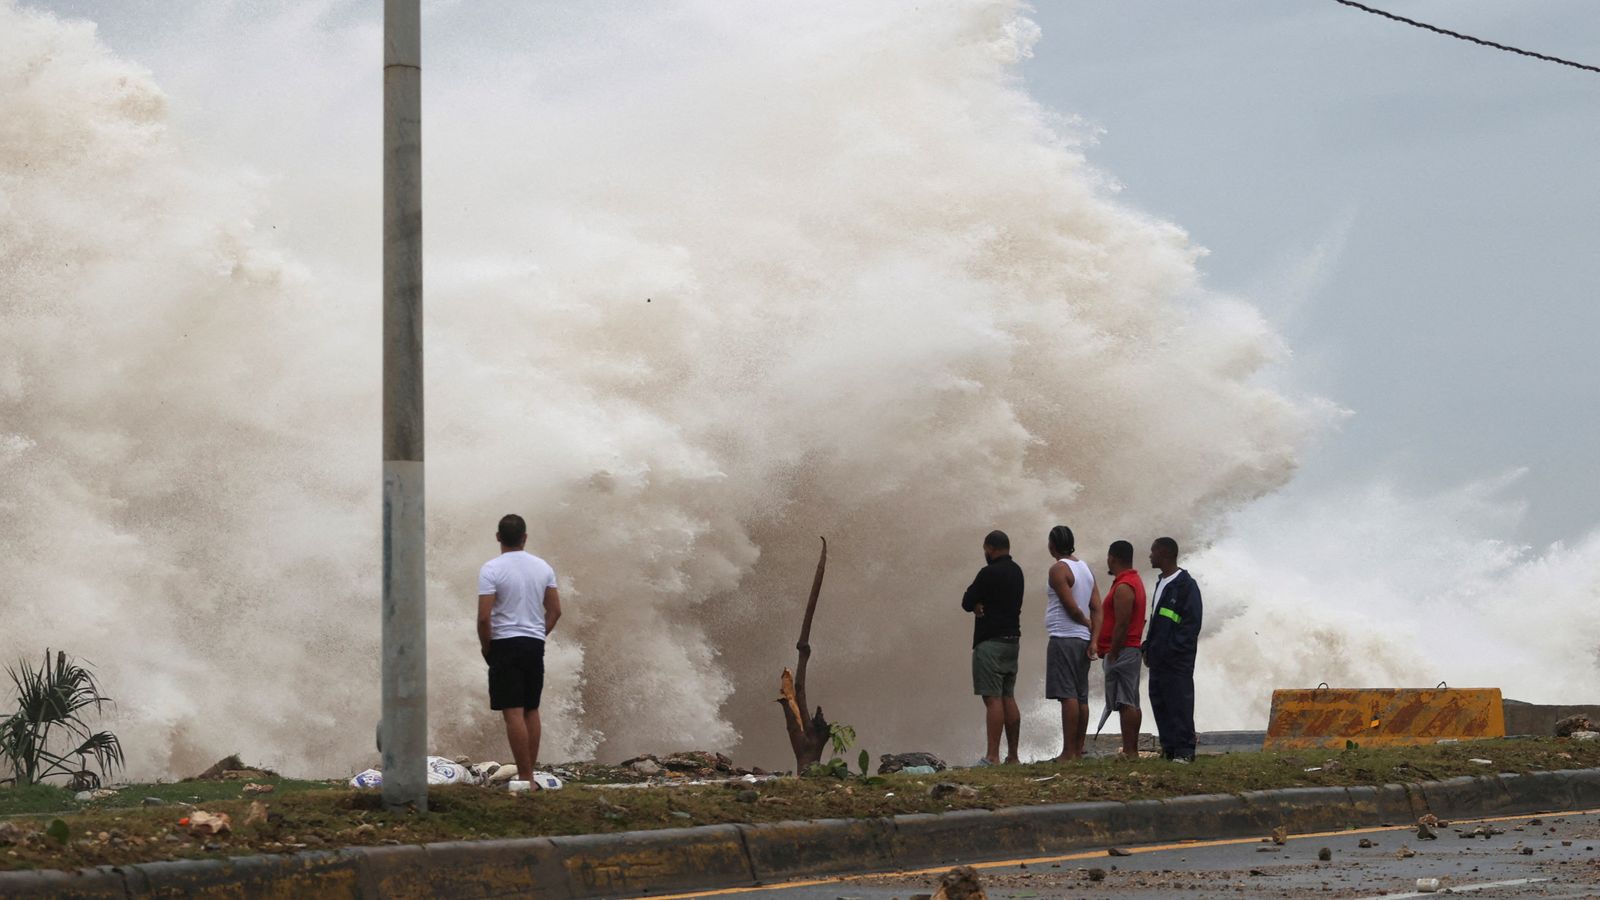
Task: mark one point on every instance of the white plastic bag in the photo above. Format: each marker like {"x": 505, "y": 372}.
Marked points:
{"x": 371, "y": 778}
{"x": 444, "y": 771}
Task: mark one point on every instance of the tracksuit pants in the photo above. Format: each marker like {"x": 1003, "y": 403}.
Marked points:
{"x": 1172, "y": 703}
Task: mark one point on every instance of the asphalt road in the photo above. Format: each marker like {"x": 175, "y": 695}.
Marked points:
{"x": 1565, "y": 862}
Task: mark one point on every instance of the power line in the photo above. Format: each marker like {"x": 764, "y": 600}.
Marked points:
{"x": 1467, "y": 37}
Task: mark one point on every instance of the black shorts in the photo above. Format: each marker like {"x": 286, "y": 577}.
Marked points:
{"x": 516, "y": 673}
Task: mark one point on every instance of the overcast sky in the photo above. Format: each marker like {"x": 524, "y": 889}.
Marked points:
{"x": 1419, "y": 215}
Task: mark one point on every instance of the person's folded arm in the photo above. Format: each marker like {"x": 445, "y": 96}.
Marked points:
{"x": 552, "y": 609}
{"x": 485, "y": 607}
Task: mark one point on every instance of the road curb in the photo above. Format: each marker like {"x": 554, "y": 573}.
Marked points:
{"x": 638, "y": 863}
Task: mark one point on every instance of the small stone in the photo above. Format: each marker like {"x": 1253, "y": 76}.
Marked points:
{"x": 1586, "y": 735}
{"x": 1425, "y": 833}
{"x": 1280, "y": 835}
{"x": 253, "y": 788}
{"x": 1404, "y": 852}
{"x": 648, "y": 768}
{"x": 1096, "y": 874}
{"x": 1117, "y": 851}
{"x": 1526, "y": 851}
{"x": 1324, "y": 854}
{"x": 1364, "y": 843}
{"x": 748, "y": 796}
{"x": 946, "y": 789}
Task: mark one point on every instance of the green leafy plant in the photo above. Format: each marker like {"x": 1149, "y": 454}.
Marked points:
{"x": 841, "y": 736}
{"x": 833, "y": 768}
{"x": 863, "y": 761}
{"x": 51, "y": 703}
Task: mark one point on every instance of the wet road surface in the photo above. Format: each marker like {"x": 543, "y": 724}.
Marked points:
{"x": 1564, "y": 862}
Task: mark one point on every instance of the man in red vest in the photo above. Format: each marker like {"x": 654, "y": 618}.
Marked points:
{"x": 1122, "y": 626}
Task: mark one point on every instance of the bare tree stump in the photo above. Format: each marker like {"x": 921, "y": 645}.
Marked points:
{"x": 808, "y": 732}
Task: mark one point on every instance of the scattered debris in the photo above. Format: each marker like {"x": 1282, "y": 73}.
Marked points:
{"x": 890, "y": 763}
{"x": 257, "y": 813}
{"x": 1117, "y": 851}
{"x": 1572, "y": 724}
{"x": 1096, "y": 874}
{"x": 253, "y": 788}
{"x": 946, "y": 789}
{"x": 1404, "y": 852}
{"x": 201, "y": 822}
{"x": 1427, "y": 885}
{"x": 960, "y": 883}
{"x": 1325, "y": 854}
{"x": 1280, "y": 835}
{"x": 1365, "y": 843}
{"x": 370, "y": 778}
{"x": 231, "y": 768}
{"x": 10, "y": 834}
{"x": 153, "y": 801}
{"x": 1257, "y": 872}
{"x": 1586, "y": 735}
{"x": 1425, "y": 833}
{"x": 1482, "y": 762}
{"x": 1526, "y": 851}
{"x": 1431, "y": 820}
{"x": 99, "y": 794}
{"x": 502, "y": 775}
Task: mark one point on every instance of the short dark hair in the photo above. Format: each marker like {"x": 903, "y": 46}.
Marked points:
{"x": 1167, "y": 544}
{"x": 998, "y": 540}
{"x": 1122, "y": 552}
{"x": 513, "y": 530}
{"x": 1061, "y": 539}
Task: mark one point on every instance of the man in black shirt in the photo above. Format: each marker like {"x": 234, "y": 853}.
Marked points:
{"x": 995, "y": 601}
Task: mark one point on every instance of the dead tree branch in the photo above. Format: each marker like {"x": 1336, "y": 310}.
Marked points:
{"x": 808, "y": 733}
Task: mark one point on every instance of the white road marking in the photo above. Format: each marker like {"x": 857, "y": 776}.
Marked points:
{"x": 1457, "y": 888}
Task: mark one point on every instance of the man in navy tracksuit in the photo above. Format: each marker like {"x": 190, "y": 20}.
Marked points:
{"x": 1169, "y": 652}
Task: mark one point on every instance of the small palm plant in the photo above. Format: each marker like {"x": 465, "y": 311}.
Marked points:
{"x": 50, "y": 701}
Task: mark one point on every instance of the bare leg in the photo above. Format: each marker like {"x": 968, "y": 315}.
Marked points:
{"x": 1083, "y": 728}
{"x": 1070, "y": 713}
{"x": 517, "y": 737}
{"x": 1131, "y": 719}
{"x": 1013, "y": 728}
{"x": 994, "y": 721}
{"x": 531, "y": 720}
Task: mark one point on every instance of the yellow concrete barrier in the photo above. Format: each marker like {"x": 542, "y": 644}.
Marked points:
{"x": 1382, "y": 717}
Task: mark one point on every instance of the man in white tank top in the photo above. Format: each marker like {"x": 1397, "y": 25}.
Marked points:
{"x": 1072, "y": 608}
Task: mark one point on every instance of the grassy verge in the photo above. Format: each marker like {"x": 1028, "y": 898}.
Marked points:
{"x": 311, "y": 814}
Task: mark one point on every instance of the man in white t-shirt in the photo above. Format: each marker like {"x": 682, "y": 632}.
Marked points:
{"x": 518, "y": 607}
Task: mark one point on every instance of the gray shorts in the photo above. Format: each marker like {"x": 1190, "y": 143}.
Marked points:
{"x": 1122, "y": 679}
{"x": 1066, "y": 669}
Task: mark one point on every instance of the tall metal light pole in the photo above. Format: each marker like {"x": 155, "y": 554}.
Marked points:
{"x": 404, "y": 730}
